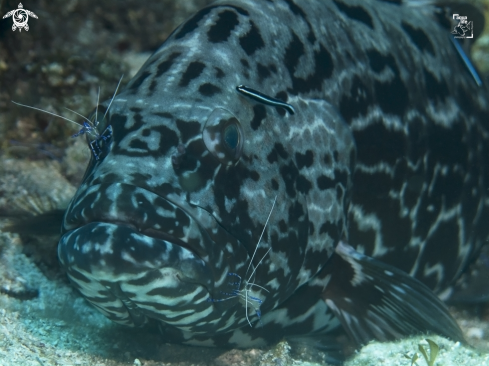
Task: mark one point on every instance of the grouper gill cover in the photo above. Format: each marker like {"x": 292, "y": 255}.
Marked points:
{"x": 355, "y": 127}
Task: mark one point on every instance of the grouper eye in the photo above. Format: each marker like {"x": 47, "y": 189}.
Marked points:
{"x": 231, "y": 137}
{"x": 223, "y": 136}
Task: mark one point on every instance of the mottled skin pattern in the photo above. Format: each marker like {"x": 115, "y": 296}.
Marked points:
{"x": 388, "y": 149}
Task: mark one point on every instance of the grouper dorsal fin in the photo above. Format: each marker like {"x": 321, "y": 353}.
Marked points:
{"x": 374, "y": 300}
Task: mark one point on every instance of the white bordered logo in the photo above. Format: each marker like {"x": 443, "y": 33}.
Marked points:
{"x": 20, "y": 17}
{"x": 464, "y": 28}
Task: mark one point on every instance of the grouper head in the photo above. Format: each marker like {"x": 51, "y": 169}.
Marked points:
{"x": 184, "y": 171}
{"x": 171, "y": 209}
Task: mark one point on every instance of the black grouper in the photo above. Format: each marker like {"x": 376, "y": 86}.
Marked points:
{"x": 356, "y": 127}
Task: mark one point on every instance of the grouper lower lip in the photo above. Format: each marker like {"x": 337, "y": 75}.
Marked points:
{"x": 117, "y": 252}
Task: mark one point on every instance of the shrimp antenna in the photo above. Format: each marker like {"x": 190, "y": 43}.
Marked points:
{"x": 259, "y": 240}
{"x": 81, "y": 115}
{"x": 53, "y": 114}
{"x": 117, "y": 88}
{"x": 96, "y": 109}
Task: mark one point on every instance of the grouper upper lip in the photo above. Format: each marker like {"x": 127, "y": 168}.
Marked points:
{"x": 140, "y": 209}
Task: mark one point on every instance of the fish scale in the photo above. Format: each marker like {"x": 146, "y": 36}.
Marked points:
{"x": 359, "y": 116}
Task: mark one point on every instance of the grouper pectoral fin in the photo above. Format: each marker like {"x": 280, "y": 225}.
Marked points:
{"x": 374, "y": 300}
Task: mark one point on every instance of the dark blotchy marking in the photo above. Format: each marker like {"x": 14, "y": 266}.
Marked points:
{"x": 293, "y": 52}
{"x": 425, "y": 218}
{"x": 119, "y": 120}
{"x": 447, "y": 145}
{"x": 192, "y": 23}
{"x": 77, "y": 275}
{"x": 146, "y": 132}
{"x": 440, "y": 246}
{"x": 356, "y": 13}
{"x": 376, "y": 143}
{"x": 304, "y": 160}
{"x": 219, "y": 73}
{"x": 449, "y": 188}
{"x": 274, "y": 185}
{"x": 166, "y": 189}
{"x": 325, "y": 182}
{"x": 228, "y": 183}
{"x": 289, "y": 175}
{"x": 208, "y": 89}
{"x": 254, "y": 175}
{"x": 139, "y": 179}
{"x": 358, "y": 102}
{"x": 272, "y": 157}
{"x": 373, "y": 196}
{"x": 193, "y": 71}
{"x": 188, "y": 129}
{"x": 323, "y": 66}
{"x": 282, "y": 95}
{"x": 303, "y": 185}
{"x": 331, "y": 230}
{"x": 298, "y": 11}
{"x": 336, "y": 155}
{"x": 436, "y": 90}
{"x": 263, "y": 71}
{"x": 162, "y": 68}
{"x": 396, "y": 2}
{"x": 137, "y": 82}
{"x": 259, "y": 114}
{"x": 244, "y": 63}
{"x": 281, "y": 151}
{"x": 296, "y": 211}
{"x": 221, "y": 30}
{"x": 392, "y": 95}
{"x": 277, "y": 150}
{"x": 168, "y": 139}
{"x": 138, "y": 144}
{"x": 138, "y": 118}
{"x": 378, "y": 61}
{"x": 208, "y": 163}
{"x": 419, "y": 38}
{"x": 282, "y": 226}
{"x": 163, "y": 114}
{"x": 252, "y": 40}
{"x": 165, "y": 65}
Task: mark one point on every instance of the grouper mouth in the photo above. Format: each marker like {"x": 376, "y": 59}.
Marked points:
{"x": 136, "y": 255}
